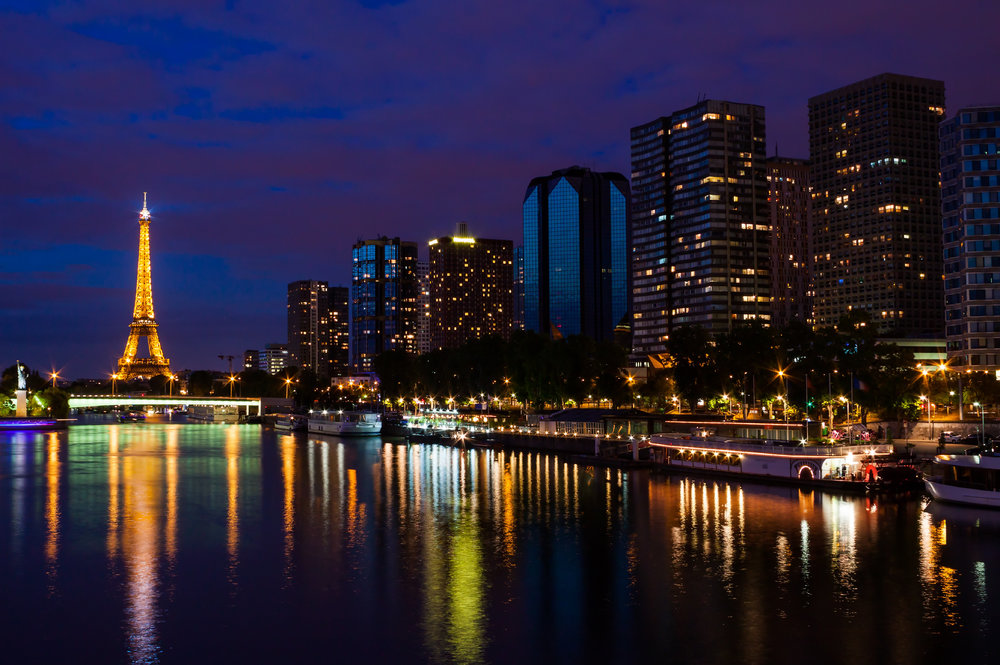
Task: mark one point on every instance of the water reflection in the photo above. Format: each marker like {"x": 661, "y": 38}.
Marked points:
{"x": 466, "y": 556}
{"x": 53, "y": 472}
{"x": 142, "y": 511}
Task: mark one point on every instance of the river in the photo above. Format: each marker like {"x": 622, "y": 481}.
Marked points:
{"x": 183, "y": 543}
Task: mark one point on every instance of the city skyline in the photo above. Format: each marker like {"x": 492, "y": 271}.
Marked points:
{"x": 244, "y": 128}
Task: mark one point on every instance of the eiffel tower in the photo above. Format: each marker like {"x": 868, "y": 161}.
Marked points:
{"x": 143, "y": 322}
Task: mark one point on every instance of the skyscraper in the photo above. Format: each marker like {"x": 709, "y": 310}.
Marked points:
{"x": 518, "y": 288}
{"x": 970, "y": 204}
{"x": 576, "y": 239}
{"x": 791, "y": 241}
{"x": 340, "y": 330}
{"x": 384, "y": 293}
{"x": 650, "y": 241}
{"x": 700, "y": 222}
{"x": 423, "y": 307}
{"x": 876, "y": 203}
{"x": 471, "y": 288}
{"x": 309, "y": 326}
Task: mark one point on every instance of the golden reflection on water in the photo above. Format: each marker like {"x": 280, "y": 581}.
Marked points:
{"x": 53, "y": 469}
{"x": 288, "y": 449}
{"x": 232, "y": 452}
{"x": 140, "y": 535}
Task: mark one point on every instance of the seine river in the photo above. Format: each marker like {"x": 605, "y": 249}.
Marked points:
{"x": 183, "y": 543}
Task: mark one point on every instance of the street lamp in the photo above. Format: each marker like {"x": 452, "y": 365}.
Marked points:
{"x": 784, "y": 410}
{"x": 55, "y": 375}
{"x": 982, "y": 428}
{"x": 170, "y": 383}
{"x": 288, "y": 382}
{"x": 232, "y": 380}
{"x": 930, "y": 425}
{"x": 114, "y": 378}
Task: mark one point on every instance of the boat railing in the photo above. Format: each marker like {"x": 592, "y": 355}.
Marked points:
{"x": 681, "y": 441}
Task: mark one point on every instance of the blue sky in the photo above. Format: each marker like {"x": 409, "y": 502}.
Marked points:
{"x": 271, "y": 137}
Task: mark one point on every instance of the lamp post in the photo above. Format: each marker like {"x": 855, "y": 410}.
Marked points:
{"x": 288, "y": 382}
{"x": 930, "y": 425}
{"x": 982, "y": 427}
{"x": 170, "y": 383}
{"x": 850, "y": 430}
{"x": 114, "y": 379}
{"x": 232, "y": 380}
{"x": 55, "y": 375}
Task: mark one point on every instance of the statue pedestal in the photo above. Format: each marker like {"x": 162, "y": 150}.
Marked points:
{"x": 21, "y": 410}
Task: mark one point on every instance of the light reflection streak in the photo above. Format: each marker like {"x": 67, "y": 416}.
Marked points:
{"x": 232, "y": 501}
{"x": 288, "y": 513}
{"x": 141, "y": 513}
{"x": 52, "y": 511}
{"x": 172, "y": 454}
{"x": 841, "y": 520}
{"x": 114, "y": 483}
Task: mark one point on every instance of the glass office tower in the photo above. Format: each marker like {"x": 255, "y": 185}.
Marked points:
{"x": 384, "y": 296}
{"x": 576, "y": 239}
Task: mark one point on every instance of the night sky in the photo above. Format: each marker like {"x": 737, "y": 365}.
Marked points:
{"x": 272, "y": 136}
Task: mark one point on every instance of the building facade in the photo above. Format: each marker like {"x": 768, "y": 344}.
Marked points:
{"x": 384, "y": 295}
{"x": 274, "y": 358}
{"x": 970, "y": 206}
{"x": 423, "y": 307}
{"x": 576, "y": 239}
{"x": 519, "y": 288}
{"x": 719, "y": 217}
{"x": 791, "y": 252}
{"x": 309, "y": 326}
{"x": 340, "y": 330}
{"x": 874, "y": 158}
{"x": 700, "y": 223}
{"x": 650, "y": 250}
{"x": 471, "y": 288}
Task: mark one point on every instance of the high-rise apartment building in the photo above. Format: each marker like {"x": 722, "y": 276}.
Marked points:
{"x": 309, "y": 326}
{"x": 471, "y": 288}
{"x": 340, "y": 331}
{"x": 874, "y": 160}
{"x": 274, "y": 358}
{"x": 384, "y": 294}
{"x": 700, "y": 222}
{"x": 519, "y": 288}
{"x": 719, "y": 218}
{"x": 423, "y": 307}
{"x": 791, "y": 240}
{"x": 650, "y": 251}
{"x": 970, "y": 204}
{"x": 576, "y": 239}
{"x": 251, "y": 359}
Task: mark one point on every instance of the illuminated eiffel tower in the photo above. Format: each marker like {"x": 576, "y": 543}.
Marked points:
{"x": 143, "y": 322}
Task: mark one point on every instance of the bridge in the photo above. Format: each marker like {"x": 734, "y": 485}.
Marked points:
{"x": 97, "y": 401}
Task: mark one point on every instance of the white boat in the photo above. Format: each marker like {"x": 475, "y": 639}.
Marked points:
{"x": 345, "y": 423}
{"x": 968, "y": 479}
{"x": 287, "y": 422}
{"x": 812, "y": 464}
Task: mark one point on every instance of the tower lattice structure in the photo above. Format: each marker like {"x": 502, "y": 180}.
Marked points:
{"x": 143, "y": 321}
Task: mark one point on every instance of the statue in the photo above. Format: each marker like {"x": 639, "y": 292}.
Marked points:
{"x": 22, "y": 379}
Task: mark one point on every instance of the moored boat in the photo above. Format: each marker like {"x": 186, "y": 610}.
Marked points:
{"x": 967, "y": 479}
{"x": 345, "y": 423}
{"x": 289, "y": 422}
{"x": 856, "y": 467}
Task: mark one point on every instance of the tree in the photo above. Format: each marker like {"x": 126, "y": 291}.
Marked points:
{"x": 200, "y": 383}
{"x": 690, "y": 350}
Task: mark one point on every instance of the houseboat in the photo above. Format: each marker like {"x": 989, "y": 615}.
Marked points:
{"x": 968, "y": 479}
{"x": 345, "y": 423}
{"x": 856, "y": 467}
